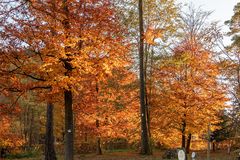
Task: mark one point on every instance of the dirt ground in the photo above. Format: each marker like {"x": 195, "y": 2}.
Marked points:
{"x": 156, "y": 156}
{"x": 128, "y": 155}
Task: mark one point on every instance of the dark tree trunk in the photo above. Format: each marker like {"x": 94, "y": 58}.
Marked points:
{"x": 144, "y": 131}
{"x": 50, "y": 153}
{"x": 147, "y": 97}
{"x": 98, "y": 144}
{"x": 214, "y": 147}
{"x": 85, "y": 137}
{"x": 183, "y": 134}
{"x": 149, "y": 128}
{"x": 68, "y": 125}
{"x": 188, "y": 143}
{"x": 68, "y": 98}
{"x": 99, "y": 150}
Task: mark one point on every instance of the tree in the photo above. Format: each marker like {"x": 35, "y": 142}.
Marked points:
{"x": 10, "y": 137}
{"x": 115, "y": 106}
{"x": 188, "y": 95}
{"x": 231, "y": 68}
{"x": 222, "y": 133}
{"x": 50, "y": 153}
{"x": 160, "y": 24}
{"x": 56, "y": 44}
{"x": 145, "y": 148}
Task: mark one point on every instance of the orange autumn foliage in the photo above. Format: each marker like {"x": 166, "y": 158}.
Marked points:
{"x": 114, "y": 105}
{"x": 46, "y": 40}
{"x": 35, "y": 49}
{"x": 8, "y": 137}
{"x": 152, "y": 34}
{"x": 187, "y": 91}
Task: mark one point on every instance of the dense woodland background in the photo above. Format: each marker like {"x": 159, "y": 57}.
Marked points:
{"x": 92, "y": 76}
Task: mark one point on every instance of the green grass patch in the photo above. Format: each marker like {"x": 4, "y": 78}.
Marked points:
{"x": 28, "y": 154}
{"x": 117, "y": 150}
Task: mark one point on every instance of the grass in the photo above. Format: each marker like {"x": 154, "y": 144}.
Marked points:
{"x": 131, "y": 155}
{"x": 24, "y": 155}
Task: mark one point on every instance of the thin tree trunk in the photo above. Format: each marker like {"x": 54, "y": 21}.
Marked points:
{"x": 144, "y": 132}
{"x": 188, "y": 143}
{"x": 147, "y": 97}
{"x": 31, "y": 129}
{"x": 98, "y": 147}
{"x": 98, "y": 143}
{"x": 26, "y": 122}
{"x": 183, "y": 134}
{"x": 86, "y": 137}
{"x": 68, "y": 98}
{"x": 148, "y": 94}
{"x": 68, "y": 125}
{"x": 209, "y": 143}
{"x": 50, "y": 153}
{"x": 213, "y": 146}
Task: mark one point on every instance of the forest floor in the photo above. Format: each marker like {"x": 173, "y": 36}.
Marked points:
{"x": 156, "y": 156}
{"x": 128, "y": 155}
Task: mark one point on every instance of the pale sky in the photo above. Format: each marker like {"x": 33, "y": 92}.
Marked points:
{"x": 222, "y": 9}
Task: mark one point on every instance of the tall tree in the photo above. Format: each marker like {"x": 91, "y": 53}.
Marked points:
{"x": 50, "y": 153}
{"x": 160, "y": 23}
{"x": 56, "y": 44}
{"x": 145, "y": 148}
{"x": 189, "y": 95}
{"x": 231, "y": 67}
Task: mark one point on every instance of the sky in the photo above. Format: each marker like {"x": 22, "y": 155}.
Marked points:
{"x": 222, "y": 10}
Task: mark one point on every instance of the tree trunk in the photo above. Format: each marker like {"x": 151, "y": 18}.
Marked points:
{"x": 98, "y": 144}
{"x": 68, "y": 98}
{"x": 147, "y": 96}
{"x": 50, "y": 153}
{"x": 144, "y": 132}
{"x": 68, "y": 125}
{"x": 183, "y": 134}
{"x": 30, "y": 142}
{"x": 214, "y": 147}
{"x": 188, "y": 143}
{"x": 209, "y": 143}
{"x": 86, "y": 137}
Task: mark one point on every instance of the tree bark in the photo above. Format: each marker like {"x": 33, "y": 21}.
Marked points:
{"x": 147, "y": 97}
{"x": 68, "y": 125}
{"x": 98, "y": 144}
{"x": 144, "y": 132}
{"x": 68, "y": 98}
{"x": 188, "y": 143}
{"x": 214, "y": 146}
{"x": 183, "y": 134}
{"x": 50, "y": 153}
{"x": 30, "y": 142}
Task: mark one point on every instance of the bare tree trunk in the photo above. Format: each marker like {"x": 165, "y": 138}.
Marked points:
{"x": 68, "y": 125}
{"x": 144, "y": 131}
{"x": 50, "y": 153}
